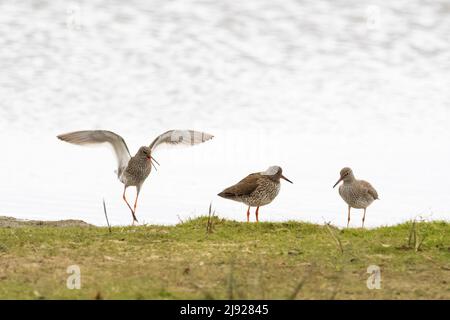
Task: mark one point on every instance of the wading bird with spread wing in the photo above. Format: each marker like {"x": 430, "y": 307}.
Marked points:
{"x": 133, "y": 170}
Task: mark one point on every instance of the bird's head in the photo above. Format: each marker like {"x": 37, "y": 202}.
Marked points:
{"x": 346, "y": 175}
{"x": 145, "y": 154}
{"x": 275, "y": 172}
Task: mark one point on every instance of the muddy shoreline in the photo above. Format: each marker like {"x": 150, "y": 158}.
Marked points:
{"x": 10, "y": 222}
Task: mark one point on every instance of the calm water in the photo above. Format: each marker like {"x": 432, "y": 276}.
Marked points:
{"x": 312, "y": 86}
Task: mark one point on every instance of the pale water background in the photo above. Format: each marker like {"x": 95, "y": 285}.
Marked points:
{"x": 312, "y": 86}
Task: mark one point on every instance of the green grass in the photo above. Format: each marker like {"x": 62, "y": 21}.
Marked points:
{"x": 236, "y": 261}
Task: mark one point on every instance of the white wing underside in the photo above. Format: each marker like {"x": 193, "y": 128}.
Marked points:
{"x": 180, "y": 138}
{"x": 98, "y": 137}
{"x": 169, "y": 138}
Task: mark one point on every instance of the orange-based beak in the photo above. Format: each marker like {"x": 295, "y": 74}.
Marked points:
{"x": 283, "y": 177}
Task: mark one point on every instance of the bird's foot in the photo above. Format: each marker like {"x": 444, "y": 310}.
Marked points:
{"x": 135, "y": 220}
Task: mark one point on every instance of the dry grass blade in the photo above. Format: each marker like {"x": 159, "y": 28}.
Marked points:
{"x": 412, "y": 234}
{"x": 419, "y": 244}
{"x": 300, "y": 285}
{"x": 210, "y": 223}
{"x": 297, "y": 289}
{"x": 335, "y": 238}
{"x": 414, "y": 241}
{"x": 106, "y": 216}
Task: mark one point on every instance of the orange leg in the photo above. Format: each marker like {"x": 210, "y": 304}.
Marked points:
{"x": 136, "y": 201}
{"x": 248, "y": 214}
{"x": 126, "y": 201}
{"x": 257, "y": 213}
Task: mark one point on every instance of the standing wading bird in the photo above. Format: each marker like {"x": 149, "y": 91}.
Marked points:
{"x": 132, "y": 171}
{"x": 257, "y": 189}
{"x": 358, "y": 194}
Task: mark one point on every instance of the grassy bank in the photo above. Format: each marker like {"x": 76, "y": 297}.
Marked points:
{"x": 237, "y": 261}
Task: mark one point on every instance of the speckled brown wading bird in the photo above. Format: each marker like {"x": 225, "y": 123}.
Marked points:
{"x": 132, "y": 171}
{"x": 257, "y": 189}
{"x": 358, "y": 194}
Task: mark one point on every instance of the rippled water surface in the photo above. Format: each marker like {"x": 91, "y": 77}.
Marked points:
{"x": 312, "y": 86}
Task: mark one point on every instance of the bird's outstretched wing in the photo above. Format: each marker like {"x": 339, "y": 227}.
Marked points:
{"x": 181, "y": 137}
{"x": 101, "y": 136}
{"x": 243, "y": 188}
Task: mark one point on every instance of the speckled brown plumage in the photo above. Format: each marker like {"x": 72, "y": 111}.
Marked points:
{"x": 257, "y": 189}
{"x": 358, "y": 194}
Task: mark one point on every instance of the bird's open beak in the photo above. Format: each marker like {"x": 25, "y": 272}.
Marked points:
{"x": 340, "y": 179}
{"x": 153, "y": 161}
{"x": 283, "y": 177}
